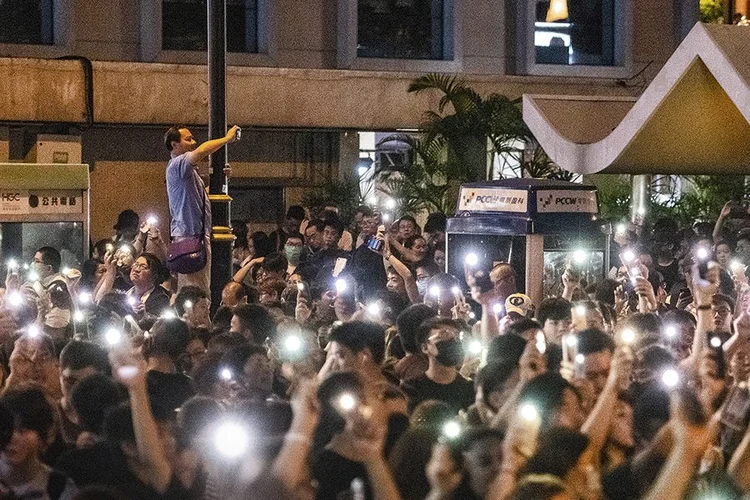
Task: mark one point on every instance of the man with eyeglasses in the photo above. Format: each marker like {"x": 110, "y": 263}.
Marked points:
{"x": 439, "y": 339}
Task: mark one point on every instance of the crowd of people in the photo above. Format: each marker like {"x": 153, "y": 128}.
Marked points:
{"x": 344, "y": 363}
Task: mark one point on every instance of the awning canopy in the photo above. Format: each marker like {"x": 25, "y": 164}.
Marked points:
{"x": 694, "y": 117}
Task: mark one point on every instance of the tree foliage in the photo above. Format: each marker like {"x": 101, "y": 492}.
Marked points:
{"x": 456, "y": 142}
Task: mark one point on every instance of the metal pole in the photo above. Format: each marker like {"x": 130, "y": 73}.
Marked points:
{"x": 221, "y": 236}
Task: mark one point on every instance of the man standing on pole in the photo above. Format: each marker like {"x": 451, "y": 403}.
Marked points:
{"x": 189, "y": 207}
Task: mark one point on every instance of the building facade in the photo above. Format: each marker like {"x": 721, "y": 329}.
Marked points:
{"x": 305, "y": 78}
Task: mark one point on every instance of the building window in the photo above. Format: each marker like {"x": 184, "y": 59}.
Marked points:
{"x": 575, "y": 32}
{"x": 27, "y": 22}
{"x": 184, "y": 25}
{"x": 403, "y": 29}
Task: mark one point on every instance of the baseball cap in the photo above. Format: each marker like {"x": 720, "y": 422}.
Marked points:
{"x": 518, "y": 303}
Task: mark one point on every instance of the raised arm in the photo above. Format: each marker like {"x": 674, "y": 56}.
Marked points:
{"x": 703, "y": 292}
{"x": 291, "y": 462}
{"x": 201, "y": 152}
{"x": 725, "y": 211}
{"x": 409, "y": 282}
{"x": 599, "y": 421}
{"x": 130, "y": 370}
{"x": 691, "y": 441}
{"x": 105, "y": 284}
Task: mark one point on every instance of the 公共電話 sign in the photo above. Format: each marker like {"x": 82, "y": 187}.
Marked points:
{"x": 25, "y": 202}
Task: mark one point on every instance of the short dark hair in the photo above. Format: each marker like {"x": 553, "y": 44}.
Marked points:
{"x": 505, "y": 349}
{"x": 678, "y": 316}
{"x": 51, "y": 257}
{"x": 558, "y": 452}
{"x": 236, "y": 358}
{"x": 546, "y": 392}
{"x": 423, "y": 333}
{"x": 518, "y": 327}
{"x": 296, "y": 235}
{"x": 318, "y": 224}
{"x": 554, "y": 308}
{"x": 30, "y": 410}
{"x": 436, "y": 221}
{"x": 408, "y": 323}
{"x": 275, "y": 262}
{"x": 594, "y": 340}
{"x": 158, "y": 270}
{"x": 257, "y": 320}
{"x": 92, "y": 397}
{"x": 410, "y": 219}
{"x": 360, "y": 335}
{"x": 169, "y": 337}
{"x": 718, "y": 298}
{"x": 79, "y": 354}
{"x": 172, "y": 135}
{"x": 334, "y": 222}
{"x": 295, "y": 212}
{"x": 191, "y": 293}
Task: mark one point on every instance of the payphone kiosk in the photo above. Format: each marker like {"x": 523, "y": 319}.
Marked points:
{"x": 541, "y": 227}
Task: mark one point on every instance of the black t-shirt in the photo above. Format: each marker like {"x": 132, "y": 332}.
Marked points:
{"x": 157, "y": 301}
{"x": 103, "y": 465}
{"x": 670, "y": 273}
{"x": 459, "y": 394}
{"x": 335, "y": 474}
{"x": 367, "y": 268}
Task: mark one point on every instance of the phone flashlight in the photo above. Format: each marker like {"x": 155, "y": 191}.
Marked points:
{"x": 497, "y": 308}
{"x": 621, "y": 228}
{"x": 300, "y": 287}
{"x": 12, "y": 265}
{"x": 581, "y": 310}
{"x": 132, "y": 301}
{"x": 226, "y": 374}
{"x": 340, "y": 286}
{"x": 529, "y": 412}
{"x": 715, "y": 342}
{"x": 33, "y": 331}
{"x": 737, "y": 266}
{"x": 456, "y": 290}
{"x": 627, "y": 336}
{"x": 347, "y": 402}
{"x": 670, "y": 331}
{"x": 78, "y": 316}
{"x": 15, "y": 299}
{"x": 435, "y": 291}
{"x": 670, "y": 378}
{"x": 702, "y": 253}
{"x": 452, "y": 429}
{"x": 475, "y": 347}
{"x": 113, "y": 336}
{"x": 579, "y": 256}
{"x": 471, "y": 259}
{"x": 373, "y": 310}
{"x": 168, "y": 314}
{"x": 293, "y": 343}
{"x": 188, "y": 304}
{"x": 231, "y": 440}
{"x": 628, "y": 256}
{"x": 151, "y": 221}
{"x": 84, "y": 298}
{"x": 541, "y": 342}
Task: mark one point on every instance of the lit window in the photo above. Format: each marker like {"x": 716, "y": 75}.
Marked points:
{"x": 26, "y": 22}
{"x": 403, "y": 29}
{"x": 575, "y": 32}
{"x": 184, "y": 25}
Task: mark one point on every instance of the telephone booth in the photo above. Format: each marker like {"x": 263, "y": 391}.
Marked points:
{"x": 44, "y": 205}
{"x": 541, "y": 227}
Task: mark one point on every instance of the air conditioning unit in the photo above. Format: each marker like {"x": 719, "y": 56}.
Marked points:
{"x": 55, "y": 149}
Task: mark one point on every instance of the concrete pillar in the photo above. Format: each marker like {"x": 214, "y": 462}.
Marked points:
{"x": 348, "y": 153}
{"x": 640, "y": 198}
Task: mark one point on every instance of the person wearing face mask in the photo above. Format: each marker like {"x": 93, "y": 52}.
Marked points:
{"x": 45, "y": 276}
{"x": 293, "y": 252}
{"x": 439, "y": 340}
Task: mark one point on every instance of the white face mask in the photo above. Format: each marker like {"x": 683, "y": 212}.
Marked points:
{"x": 422, "y": 286}
{"x": 57, "y": 318}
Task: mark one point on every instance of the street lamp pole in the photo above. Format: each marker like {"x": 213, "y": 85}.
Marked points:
{"x": 222, "y": 238}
